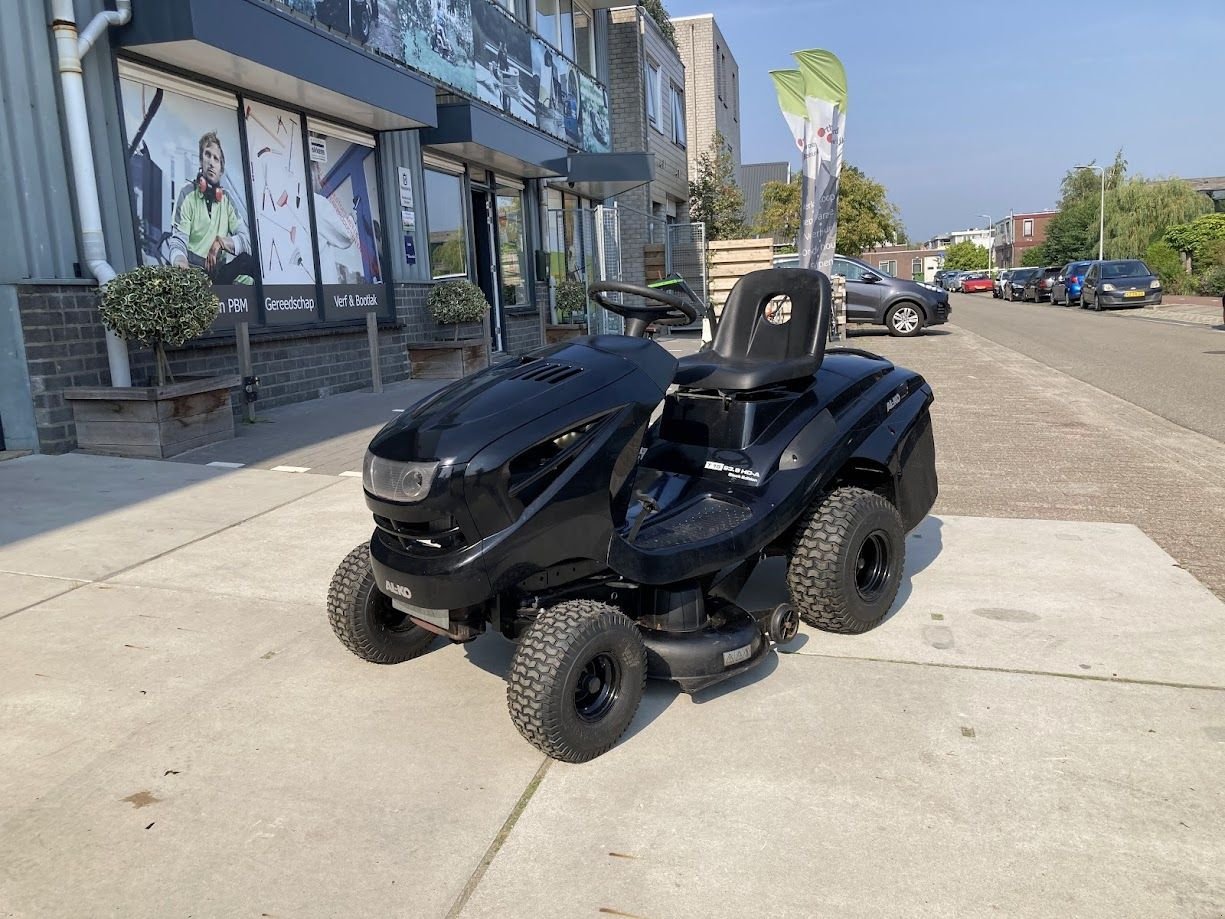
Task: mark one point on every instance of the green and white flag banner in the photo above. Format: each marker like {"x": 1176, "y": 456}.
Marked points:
{"x": 825, "y": 104}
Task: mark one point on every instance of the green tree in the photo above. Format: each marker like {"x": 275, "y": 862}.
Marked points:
{"x": 655, "y": 9}
{"x": 965, "y": 256}
{"x": 1166, "y": 263}
{"x": 780, "y": 211}
{"x": 866, "y": 218}
{"x": 1202, "y": 239}
{"x": 1140, "y": 211}
{"x": 1034, "y": 257}
{"x": 714, "y": 197}
{"x": 1071, "y": 235}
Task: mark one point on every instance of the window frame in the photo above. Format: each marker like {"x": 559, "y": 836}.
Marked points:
{"x": 680, "y": 126}
{"x": 654, "y": 94}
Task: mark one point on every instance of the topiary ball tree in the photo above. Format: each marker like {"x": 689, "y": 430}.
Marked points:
{"x": 571, "y": 299}
{"x": 159, "y": 305}
{"x": 453, "y": 302}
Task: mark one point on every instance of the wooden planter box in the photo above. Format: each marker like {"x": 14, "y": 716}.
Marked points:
{"x": 448, "y": 360}
{"x": 153, "y": 421}
{"x": 555, "y": 332}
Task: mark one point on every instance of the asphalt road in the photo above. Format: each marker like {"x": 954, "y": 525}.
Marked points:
{"x": 1174, "y": 370}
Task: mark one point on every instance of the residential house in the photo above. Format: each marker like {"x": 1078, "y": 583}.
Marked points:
{"x": 712, "y": 88}
{"x": 1018, "y": 233}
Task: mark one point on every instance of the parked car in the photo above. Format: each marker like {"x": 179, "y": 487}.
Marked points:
{"x": 941, "y": 276}
{"x": 1000, "y": 283}
{"x": 1038, "y": 285}
{"x": 1067, "y": 285}
{"x": 976, "y": 282}
{"x": 1017, "y": 281}
{"x": 903, "y": 307}
{"x": 1120, "y": 283}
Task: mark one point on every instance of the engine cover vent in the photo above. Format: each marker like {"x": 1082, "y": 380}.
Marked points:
{"x": 546, "y": 372}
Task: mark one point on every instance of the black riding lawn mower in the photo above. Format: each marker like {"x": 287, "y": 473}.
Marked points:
{"x": 542, "y": 498}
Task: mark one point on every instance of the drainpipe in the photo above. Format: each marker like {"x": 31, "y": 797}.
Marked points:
{"x": 69, "y": 50}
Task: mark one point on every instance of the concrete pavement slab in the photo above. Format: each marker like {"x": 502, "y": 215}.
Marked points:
{"x": 286, "y": 555}
{"x": 268, "y": 771}
{"x": 850, "y": 788}
{"x": 87, "y": 669}
{"x": 1087, "y": 599}
{"x": 17, "y": 591}
{"x": 85, "y": 517}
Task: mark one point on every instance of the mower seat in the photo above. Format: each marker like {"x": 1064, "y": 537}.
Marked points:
{"x": 751, "y": 351}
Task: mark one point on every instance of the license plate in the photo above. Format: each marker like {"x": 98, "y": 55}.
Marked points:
{"x": 438, "y": 617}
{"x": 1134, "y": 293}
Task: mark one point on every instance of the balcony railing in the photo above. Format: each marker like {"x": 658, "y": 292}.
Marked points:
{"x": 476, "y": 48}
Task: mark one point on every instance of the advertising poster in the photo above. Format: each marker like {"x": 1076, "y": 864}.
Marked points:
{"x": 280, "y": 192}
{"x": 594, "y": 130}
{"x": 438, "y": 40}
{"x": 557, "y": 93}
{"x": 188, "y": 189}
{"x": 503, "y": 58}
{"x": 348, "y": 225}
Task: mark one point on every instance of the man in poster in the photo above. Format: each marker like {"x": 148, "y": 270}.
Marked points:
{"x": 207, "y": 230}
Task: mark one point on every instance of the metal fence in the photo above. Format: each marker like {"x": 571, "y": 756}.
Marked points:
{"x": 587, "y": 245}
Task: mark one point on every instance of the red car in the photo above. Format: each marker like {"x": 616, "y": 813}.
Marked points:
{"x": 976, "y": 283}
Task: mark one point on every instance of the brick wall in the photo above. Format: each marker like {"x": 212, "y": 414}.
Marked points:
{"x": 65, "y": 346}
{"x": 522, "y": 332}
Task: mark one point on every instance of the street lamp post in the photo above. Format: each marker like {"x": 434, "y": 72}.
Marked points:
{"x": 1101, "y": 230}
{"x": 990, "y": 248}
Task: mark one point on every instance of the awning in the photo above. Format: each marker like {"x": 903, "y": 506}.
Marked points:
{"x": 602, "y": 175}
{"x": 478, "y": 135}
{"x": 255, "y": 47}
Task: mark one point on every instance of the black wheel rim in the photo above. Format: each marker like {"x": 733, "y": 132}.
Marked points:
{"x": 872, "y": 567}
{"x": 598, "y": 688}
{"x": 386, "y": 617}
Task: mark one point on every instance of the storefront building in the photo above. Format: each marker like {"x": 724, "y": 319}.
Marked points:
{"x": 320, "y": 160}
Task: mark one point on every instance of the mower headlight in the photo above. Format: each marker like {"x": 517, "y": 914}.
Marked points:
{"x": 1155, "y": 285}
{"x": 395, "y": 481}
{"x": 1107, "y": 288}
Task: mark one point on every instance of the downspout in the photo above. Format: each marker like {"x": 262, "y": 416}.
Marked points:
{"x": 70, "y": 48}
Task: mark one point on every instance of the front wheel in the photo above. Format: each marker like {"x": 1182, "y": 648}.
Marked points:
{"x": 846, "y": 563}
{"x": 904, "y": 321}
{"x": 364, "y": 619}
{"x": 576, "y": 680}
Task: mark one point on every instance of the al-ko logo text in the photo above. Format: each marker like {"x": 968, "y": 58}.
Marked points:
{"x": 397, "y": 591}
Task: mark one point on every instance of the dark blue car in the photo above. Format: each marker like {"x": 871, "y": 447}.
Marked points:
{"x": 1067, "y": 286}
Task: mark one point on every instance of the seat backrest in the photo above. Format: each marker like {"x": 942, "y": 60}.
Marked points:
{"x": 745, "y": 331}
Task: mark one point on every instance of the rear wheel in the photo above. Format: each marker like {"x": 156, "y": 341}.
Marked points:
{"x": 364, "y": 619}
{"x": 576, "y": 679}
{"x": 846, "y": 562}
{"x": 905, "y": 320}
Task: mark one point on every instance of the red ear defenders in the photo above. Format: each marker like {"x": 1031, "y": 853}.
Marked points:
{"x": 203, "y": 186}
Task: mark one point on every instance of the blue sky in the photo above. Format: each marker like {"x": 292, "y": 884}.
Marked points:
{"x": 961, "y": 108}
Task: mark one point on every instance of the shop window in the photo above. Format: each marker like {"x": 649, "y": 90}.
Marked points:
{"x": 188, "y": 184}
{"x": 584, "y": 38}
{"x": 444, "y": 214}
{"x": 348, "y": 222}
{"x": 276, "y": 142}
{"x": 300, "y": 218}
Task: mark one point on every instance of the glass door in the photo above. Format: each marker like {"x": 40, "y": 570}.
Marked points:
{"x": 512, "y": 249}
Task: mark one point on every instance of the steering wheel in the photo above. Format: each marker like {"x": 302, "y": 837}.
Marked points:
{"x": 667, "y": 309}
